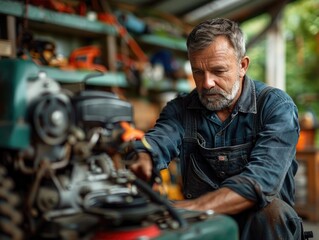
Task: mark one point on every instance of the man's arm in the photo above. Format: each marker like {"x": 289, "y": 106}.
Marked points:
{"x": 224, "y": 200}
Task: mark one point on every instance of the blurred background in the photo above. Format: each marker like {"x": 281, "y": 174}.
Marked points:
{"x": 139, "y": 48}
{"x": 300, "y": 24}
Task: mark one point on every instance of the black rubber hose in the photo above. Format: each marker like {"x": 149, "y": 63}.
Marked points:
{"x": 162, "y": 201}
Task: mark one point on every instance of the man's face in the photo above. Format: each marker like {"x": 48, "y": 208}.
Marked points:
{"x": 218, "y": 74}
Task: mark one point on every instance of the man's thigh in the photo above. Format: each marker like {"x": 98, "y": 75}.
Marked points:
{"x": 277, "y": 220}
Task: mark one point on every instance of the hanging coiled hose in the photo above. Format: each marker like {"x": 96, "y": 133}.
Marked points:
{"x": 10, "y": 217}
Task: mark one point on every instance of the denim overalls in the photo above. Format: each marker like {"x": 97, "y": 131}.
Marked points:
{"x": 204, "y": 169}
{"x": 259, "y": 165}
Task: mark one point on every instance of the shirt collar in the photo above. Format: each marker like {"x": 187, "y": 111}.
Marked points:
{"x": 246, "y": 102}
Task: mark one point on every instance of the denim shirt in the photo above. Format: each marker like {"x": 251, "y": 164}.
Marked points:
{"x": 267, "y": 156}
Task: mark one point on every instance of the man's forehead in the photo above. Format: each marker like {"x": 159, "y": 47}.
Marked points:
{"x": 213, "y": 56}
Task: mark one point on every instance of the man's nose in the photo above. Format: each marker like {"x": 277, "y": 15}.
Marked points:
{"x": 209, "y": 80}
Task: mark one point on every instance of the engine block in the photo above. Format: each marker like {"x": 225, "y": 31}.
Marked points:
{"x": 58, "y": 177}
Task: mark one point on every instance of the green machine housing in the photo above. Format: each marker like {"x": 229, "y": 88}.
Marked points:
{"x": 14, "y": 129}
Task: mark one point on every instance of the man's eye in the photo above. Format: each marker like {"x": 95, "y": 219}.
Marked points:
{"x": 218, "y": 72}
{"x": 197, "y": 72}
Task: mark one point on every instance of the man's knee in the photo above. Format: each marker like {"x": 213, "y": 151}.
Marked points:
{"x": 277, "y": 220}
{"x": 277, "y": 210}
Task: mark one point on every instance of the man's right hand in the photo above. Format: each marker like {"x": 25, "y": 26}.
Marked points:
{"x": 143, "y": 166}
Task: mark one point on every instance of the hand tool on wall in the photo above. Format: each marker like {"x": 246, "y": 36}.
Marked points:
{"x": 110, "y": 18}
{"x": 87, "y": 57}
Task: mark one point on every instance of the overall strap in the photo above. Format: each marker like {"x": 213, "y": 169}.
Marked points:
{"x": 191, "y": 125}
{"x": 258, "y": 123}
{"x": 189, "y": 116}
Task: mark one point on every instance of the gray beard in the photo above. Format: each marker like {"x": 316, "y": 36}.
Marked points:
{"x": 224, "y": 99}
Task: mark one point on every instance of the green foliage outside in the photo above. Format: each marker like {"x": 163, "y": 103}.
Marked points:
{"x": 257, "y": 67}
{"x": 301, "y": 31}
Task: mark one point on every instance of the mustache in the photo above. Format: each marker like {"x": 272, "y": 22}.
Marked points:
{"x": 213, "y": 91}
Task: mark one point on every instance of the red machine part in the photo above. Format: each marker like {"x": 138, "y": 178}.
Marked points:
{"x": 131, "y": 234}
{"x": 61, "y": 6}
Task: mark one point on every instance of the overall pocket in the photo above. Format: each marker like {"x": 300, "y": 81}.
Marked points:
{"x": 227, "y": 161}
{"x": 197, "y": 182}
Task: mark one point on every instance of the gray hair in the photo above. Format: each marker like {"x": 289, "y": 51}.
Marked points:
{"x": 204, "y": 33}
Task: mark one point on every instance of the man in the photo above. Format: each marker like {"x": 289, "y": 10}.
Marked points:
{"x": 235, "y": 159}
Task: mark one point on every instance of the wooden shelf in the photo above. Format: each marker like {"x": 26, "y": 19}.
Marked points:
{"x": 51, "y": 18}
{"x": 164, "y": 41}
{"x": 180, "y": 85}
{"x": 70, "y": 76}
{"x": 47, "y": 20}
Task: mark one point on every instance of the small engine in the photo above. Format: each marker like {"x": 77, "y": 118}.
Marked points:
{"x": 58, "y": 178}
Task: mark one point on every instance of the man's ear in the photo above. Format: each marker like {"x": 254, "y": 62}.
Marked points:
{"x": 244, "y": 64}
